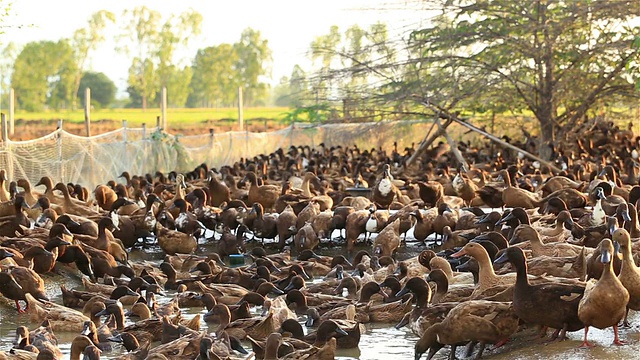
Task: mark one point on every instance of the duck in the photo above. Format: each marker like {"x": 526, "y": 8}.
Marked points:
{"x": 464, "y": 187}
{"x": 186, "y": 221}
{"x": 480, "y": 321}
{"x": 60, "y": 317}
{"x": 265, "y": 224}
{"x": 306, "y": 238}
{"x": 553, "y": 305}
{"x": 515, "y": 197}
{"x": 286, "y": 225}
{"x": 230, "y": 243}
{"x": 43, "y": 259}
{"x": 488, "y": 279}
{"x": 446, "y": 217}
{"x": 42, "y": 338}
{"x": 18, "y": 282}
{"x": 423, "y": 315}
{"x": 424, "y": 224}
{"x": 388, "y": 240}
{"x": 629, "y": 272}
{"x": 258, "y": 327}
{"x": 442, "y": 292}
{"x": 175, "y": 242}
{"x": 16, "y": 223}
{"x": 384, "y": 190}
{"x": 78, "y": 345}
{"x": 605, "y": 301}
{"x": 266, "y": 195}
{"x": 527, "y": 232}
{"x": 275, "y": 340}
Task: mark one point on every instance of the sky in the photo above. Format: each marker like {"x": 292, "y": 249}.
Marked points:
{"x": 288, "y": 25}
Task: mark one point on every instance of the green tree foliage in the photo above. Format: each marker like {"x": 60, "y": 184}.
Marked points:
{"x": 43, "y": 73}
{"x": 103, "y": 90}
{"x": 252, "y": 63}
{"x": 558, "y": 59}
{"x": 214, "y": 82}
{"x": 156, "y": 41}
{"x": 86, "y": 39}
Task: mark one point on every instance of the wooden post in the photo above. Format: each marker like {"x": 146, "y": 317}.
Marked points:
{"x": 5, "y": 130}
{"x": 157, "y": 123}
{"x": 426, "y": 142}
{"x": 144, "y": 131}
{"x": 452, "y": 118}
{"x": 12, "y": 108}
{"x": 240, "y": 114}
{"x": 87, "y": 111}
{"x": 163, "y": 108}
{"x": 211, "y": 137}
{"x": 454, "y": 146}
{"x": 124, "y": 131}
{"x": 59, "y": 145}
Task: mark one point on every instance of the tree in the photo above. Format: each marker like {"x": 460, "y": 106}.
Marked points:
{"x": 252, "y": 63}
{"x": 215, "y": 80}
{"x": 141, "y": 27}
{"x": 103, "y": 90}
{"x": 43, "y": 73}
{"x": 155, "y": 65}
{"x": 555, "y": 59}
{"x": 86, "y": 39}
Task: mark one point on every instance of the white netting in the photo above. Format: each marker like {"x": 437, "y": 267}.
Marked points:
{"x": 95, "y": 160}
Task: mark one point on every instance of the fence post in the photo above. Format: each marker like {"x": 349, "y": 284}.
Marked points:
{"x": 157, "y": 123}
{"x": 87, "y": 111}
{"x": 240, "y": 114}
{"x": 144, "y": 131}
{"x": 12, "y": 108}
{"x": 59, "y": 145}
{"x": 5, "y": 135}
{"x": 124, "y": 131}
{"x": 163, "y": 108}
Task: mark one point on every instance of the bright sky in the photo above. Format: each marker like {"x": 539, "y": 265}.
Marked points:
{"x": 288, "y": 25}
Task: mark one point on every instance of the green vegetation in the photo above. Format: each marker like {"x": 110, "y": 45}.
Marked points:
{"x": 135, "y": 117}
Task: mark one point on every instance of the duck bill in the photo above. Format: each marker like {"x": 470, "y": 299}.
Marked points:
{"x": 402, "y": 291}
{"x": 339, "y": 274}
{"x": 403, "y": 322}
{"x": 445, "y": 237}
{"x": 337, "y": 290}
{"x": 86, "y": 331}
{"x": 19, "y": 338}
{"x": 459, "y": 253}
{"x": 277, "y": 291}
{"x": 625, "y": 216}
{"x": 116, "y": 339}
{"x": 237, "y": 346}
{"x": 289, "y": 287}
{"x": 605, "y": 256}
{"x": 502, "y": 259}
{"x": 505, "y": 219}
{"x": 569, "y": 224}
{"x": 310, "y": 322}
{"x": 340, "y": 331}
{"x": 616, "y": 250}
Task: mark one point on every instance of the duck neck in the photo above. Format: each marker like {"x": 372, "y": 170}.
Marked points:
{"x": 486, "y": 273}
{"x": 305, "y": 187}
{"x": 521, "y": 273}
{"x": 627, "y": 257}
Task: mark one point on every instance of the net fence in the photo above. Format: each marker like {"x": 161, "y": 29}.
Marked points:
{"x": 97, "y": 159}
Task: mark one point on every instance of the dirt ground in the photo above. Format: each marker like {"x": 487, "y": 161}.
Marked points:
{"x": 33, "y": 129}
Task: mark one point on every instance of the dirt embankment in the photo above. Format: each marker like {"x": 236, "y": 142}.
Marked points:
{"x": 33, "y": 129}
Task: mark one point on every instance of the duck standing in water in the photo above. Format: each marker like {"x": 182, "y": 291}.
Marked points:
{"x": 605, "y": 301}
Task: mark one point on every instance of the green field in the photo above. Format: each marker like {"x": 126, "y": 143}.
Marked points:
{"x": 136, "y": 117}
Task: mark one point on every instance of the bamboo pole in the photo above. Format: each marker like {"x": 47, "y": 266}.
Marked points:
{"x": 87, "y": 111}
{"x": 163, "y": 104}
{"x": 453, "y": 118}
{"x": 240, "y": 113}
{"x": 426, "y": 142}
{"x": 12, "y": 109}
{"x": 453, "y": 145}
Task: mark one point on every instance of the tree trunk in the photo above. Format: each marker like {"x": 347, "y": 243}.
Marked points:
{"x": 144, "y": 103}
{"x": 546, "y": 139}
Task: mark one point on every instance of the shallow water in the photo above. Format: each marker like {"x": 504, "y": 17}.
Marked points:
{"x": 380, "y": 342}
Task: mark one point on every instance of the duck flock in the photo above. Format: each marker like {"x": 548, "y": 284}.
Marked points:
{"x": 461, "y": 256}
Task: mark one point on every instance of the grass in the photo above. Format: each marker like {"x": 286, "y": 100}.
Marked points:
{"x": 136, "y": 117}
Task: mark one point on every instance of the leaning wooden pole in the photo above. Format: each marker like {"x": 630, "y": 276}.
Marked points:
{"x": 453, "y": 118}
{"x": 426, "y": 142}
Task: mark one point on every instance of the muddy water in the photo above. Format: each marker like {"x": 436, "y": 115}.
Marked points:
{"x": 380, "y": 342}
